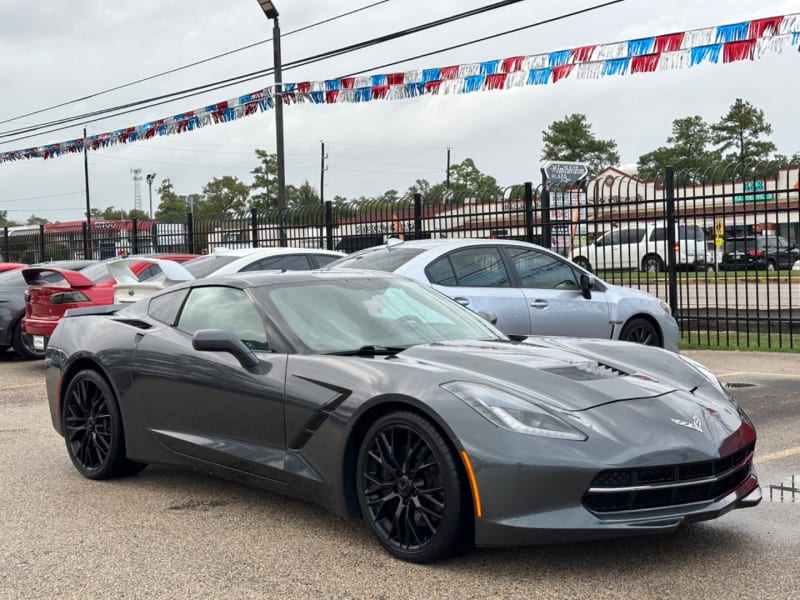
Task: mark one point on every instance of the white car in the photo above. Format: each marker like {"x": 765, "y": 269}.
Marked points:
{"x": 529, "y": 289}
{"x": 645, "y": 247}
{"x": 222, "y": 261}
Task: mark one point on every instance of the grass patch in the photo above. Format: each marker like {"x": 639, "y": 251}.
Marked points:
{"x": 732, "y": 340}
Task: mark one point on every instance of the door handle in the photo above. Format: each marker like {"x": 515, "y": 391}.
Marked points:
{"x": 462, "y": 301}
{"x": 540, "y": 304}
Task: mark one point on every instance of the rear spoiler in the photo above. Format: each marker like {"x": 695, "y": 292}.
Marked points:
{"x": 121, "y": 272}
{"x": 34, "y": 276}
{"x": 104, "y": 309}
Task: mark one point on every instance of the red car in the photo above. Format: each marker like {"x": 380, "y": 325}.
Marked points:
{"x": 46, "y": 302}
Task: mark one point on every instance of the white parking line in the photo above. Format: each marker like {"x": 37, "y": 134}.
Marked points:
{"x": 777, "y": 455}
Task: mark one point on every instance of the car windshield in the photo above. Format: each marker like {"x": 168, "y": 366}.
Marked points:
{"x": 340, "y": 315}
{"x": 206, "y": 265}
{"x": 379, "y": 259}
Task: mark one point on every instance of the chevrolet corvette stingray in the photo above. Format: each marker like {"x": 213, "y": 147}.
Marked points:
{"x": 376, "y": 396}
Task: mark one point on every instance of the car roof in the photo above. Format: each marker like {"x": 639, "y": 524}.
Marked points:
{"x": 272, "y": 251}
{"x": 453, "y": 243}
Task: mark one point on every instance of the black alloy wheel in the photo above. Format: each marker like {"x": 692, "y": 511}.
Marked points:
{"x": 23, "y": 344}
{"x": 641, "y": 331}
{"x": 410, "y": 490}
{"x": 92, "y": 428}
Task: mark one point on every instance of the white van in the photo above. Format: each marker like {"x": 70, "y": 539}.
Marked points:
{"x": 645, "y": 247}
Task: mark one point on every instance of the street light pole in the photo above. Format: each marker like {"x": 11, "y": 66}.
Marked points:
{"x": 272, "y": 13}
{"x": 150, "y": 178}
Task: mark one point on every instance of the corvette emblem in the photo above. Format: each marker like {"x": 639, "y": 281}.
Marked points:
{"x": 695, "y": 424}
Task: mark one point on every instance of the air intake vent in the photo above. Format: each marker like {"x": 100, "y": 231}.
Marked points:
{"x": 587, "y": 372}
{"x": 135, "y": 323}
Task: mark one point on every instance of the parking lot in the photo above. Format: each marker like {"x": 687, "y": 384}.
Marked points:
{"x": 168, "y": 533}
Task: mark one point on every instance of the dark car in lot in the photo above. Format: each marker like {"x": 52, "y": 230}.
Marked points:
{"x": 374, "y": 395}
{"x": 768, "y": 252}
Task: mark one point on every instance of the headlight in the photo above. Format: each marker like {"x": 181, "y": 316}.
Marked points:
{"x": 512, "y": 412}
{"x": 666, "y": 308}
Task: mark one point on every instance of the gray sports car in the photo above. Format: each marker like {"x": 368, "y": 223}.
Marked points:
{"x": 373, "y": 395}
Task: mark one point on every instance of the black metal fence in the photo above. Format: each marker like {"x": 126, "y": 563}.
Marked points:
{"x": 733, "y": 232}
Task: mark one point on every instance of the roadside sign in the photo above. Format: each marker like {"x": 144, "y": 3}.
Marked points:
{"x": 718, "y": 241}
{"x": 565, "y": 172}
{"x": 719, "y": 228}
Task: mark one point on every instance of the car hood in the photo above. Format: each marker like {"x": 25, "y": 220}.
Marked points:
{"x": 569, "y": 373}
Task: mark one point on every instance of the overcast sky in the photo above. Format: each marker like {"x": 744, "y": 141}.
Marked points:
{"x": 55, "y": 51}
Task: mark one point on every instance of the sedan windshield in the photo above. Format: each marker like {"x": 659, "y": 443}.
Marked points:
{"x": 339, "y": 315}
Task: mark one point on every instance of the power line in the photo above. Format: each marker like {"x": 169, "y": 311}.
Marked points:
{"x": 196, "y": 90}
{"x": 187, "y": 66}
{"x": 42, "y": 197}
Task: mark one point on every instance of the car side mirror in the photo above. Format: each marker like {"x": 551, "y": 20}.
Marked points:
{"x": 488, "y": 315}
{"x": 586, "y": 286}
{"x": 221, "y": 340}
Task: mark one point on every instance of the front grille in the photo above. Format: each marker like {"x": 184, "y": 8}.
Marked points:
{"x": 669, "y": 485}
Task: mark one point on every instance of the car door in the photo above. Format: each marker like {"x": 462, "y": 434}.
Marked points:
{"x": 206, "y": 405}
{"x": 551, "y": 287}
{"x": 477, "y": 277}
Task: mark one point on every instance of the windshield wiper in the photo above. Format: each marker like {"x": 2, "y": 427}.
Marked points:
{"x": 370, "y": 351}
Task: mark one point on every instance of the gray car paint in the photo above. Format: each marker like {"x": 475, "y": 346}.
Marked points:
{"x": 203, "y": 410}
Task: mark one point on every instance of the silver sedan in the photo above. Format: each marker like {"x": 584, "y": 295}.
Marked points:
{"x": 531, "y": 290}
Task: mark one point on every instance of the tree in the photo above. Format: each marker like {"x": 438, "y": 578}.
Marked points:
{"x": 265, "y": 182}
{"x": 466, "y": 181}
{"x": 304, "y": 196}
{"x": 5, "y": 221}
{"x": 223, "y": 195}
{"x": 572, "y": 140}
{"x": 34, "y": 220}
{"x": 171, "y": 206}
{"x": 687, "y": 151}
{"x": 740, "y": 133}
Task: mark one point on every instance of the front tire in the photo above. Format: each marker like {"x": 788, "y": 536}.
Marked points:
{"x": 583, "y": 263}
{"x": 23, "y": 344}
{"x": 410, "y": 489}
{"x": 92, "y": 428}
{"x": 641, "y": 331}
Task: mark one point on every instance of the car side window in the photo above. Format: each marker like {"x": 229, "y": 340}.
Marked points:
{"x": 286, "y": 262}
{"x": 165, "y": 307}
{"x": 470, "y": 267}
{"x": 218, "y": 307}
{"x": 610, "y": 239}
{"x": 633, "y": 236}
{"x": 542, "y": 271}
{"x": 323, "y": 259}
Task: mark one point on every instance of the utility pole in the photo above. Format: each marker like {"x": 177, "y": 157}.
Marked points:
{"x": 87, "y": 246}
{"x": 151, "y": 177}
{"x": 322, "y": 168}
{"x": 447, "y": 176}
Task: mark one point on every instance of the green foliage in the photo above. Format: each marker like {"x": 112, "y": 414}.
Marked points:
{"x": 571, "y": 139}
{"x": 224, "y": 195}
{"x": 304, "y": 196}
{"x": 34, "y": 220}
{"x": 265, "y": 182}
{"x": 171, "y": 207}
{"x": 5, "y": 221}
{"x": 687, "y": 151}
{"x": 740, "y": 131}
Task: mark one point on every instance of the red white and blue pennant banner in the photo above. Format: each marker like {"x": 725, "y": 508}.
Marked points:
{"x": 748, "y": 40}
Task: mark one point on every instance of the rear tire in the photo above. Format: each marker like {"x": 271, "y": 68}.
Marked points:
{"x": 23, "y": 344}
{"x": 92, "y": 427}
{"x": 652, "y": 264}
{"x": 641, "y": 331}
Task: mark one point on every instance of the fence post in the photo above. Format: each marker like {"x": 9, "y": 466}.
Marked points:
{"x": 254, "y": 226}
{"x": 417, "y": 216}
{"x": 154, "y": 246}
{"x": 41, "y": 243}
{"x": 6, "y": 245}
{"x": 328, "y": 225}
{"x": 134, "y": 236}
{"x": 529, "y": 212}
{"x": 672, "y": 278}
{"x": 87, "y": 254}
{"x": 547, "y": 240}
{"x": 190, "y": 231}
